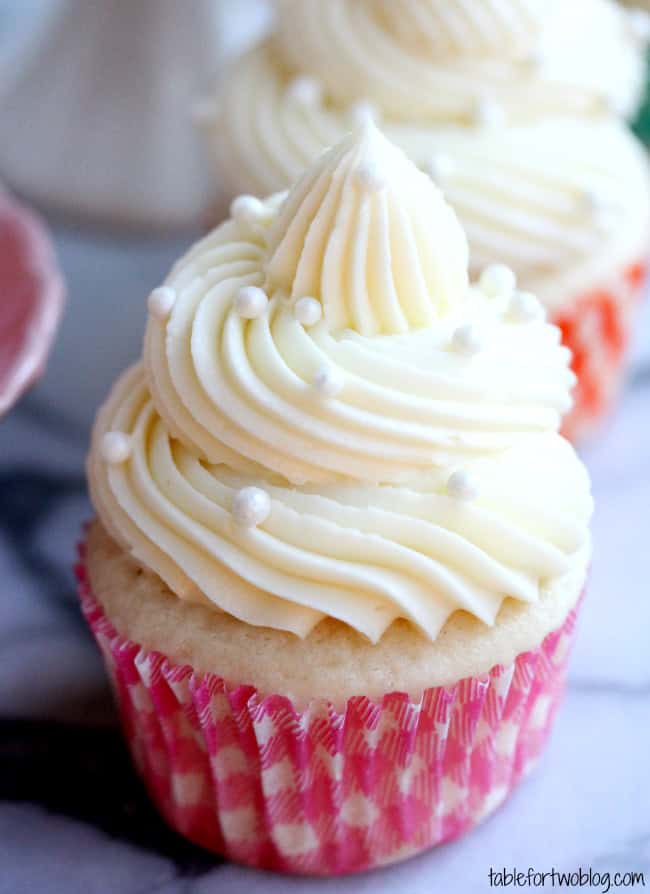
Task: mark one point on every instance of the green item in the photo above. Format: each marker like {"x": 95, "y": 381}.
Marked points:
{"x": 641, "y": 124}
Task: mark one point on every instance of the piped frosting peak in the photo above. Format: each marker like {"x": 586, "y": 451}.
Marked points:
{"x": 266, "y": 461}
{"x": 371, "y": 237}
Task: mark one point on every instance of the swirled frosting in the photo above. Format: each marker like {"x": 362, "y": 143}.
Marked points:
{"x": 434, "y": 60}
{"x": 389, "y": 449}
{"x": 504, "y": 102}
{"x": 361, "y": 243}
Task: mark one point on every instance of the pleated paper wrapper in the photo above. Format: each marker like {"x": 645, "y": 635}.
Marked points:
{"x": 597, "y": 327}
{"x": 322, "y": 791}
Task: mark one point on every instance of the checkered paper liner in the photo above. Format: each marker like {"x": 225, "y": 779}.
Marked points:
{"x": 597, "y": 327}
{"x": 322, "y": 791}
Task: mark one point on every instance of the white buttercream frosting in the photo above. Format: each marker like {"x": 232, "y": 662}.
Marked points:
{"x": 434, "y": 59}
{"x": 361, "y": 467}
{"x": 355, "y": 232}
{"x": 507, "y": 104}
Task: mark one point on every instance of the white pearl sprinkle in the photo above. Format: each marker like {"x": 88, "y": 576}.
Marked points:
{"x": 205, "y": 111}
{"x": 251, "y": 506}
{"x": 364, "y": 112}
{"x": 466, "y": 340}
{"x": 441, "y": 166}
{"x": 327, "y": 382}
{"x": 462, "y": 485}
{"x": 116, "y": 447}
{"x": 247, "y": 210}
{"x": 489, "y": 112}
{"x": 307, "y": 311}
{"x": 598, "y": 209}
{"x": 305, "y": 91}
{"x": 590, "y": 201}
{"x": 497, "y": 281}
{"x": 639, "y": 22}
{"x": 593, "y": 203}
{"x": 370, "y": 177}
{"x": 250, "y": 302}
{"x": 161, "y": 301}
{"x": 613, "y": 105}
{"x": 535, "y": 59}
{"x": 524, "y": 307}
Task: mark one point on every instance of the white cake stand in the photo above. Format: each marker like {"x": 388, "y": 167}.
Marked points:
{"x": 95, "y": 105}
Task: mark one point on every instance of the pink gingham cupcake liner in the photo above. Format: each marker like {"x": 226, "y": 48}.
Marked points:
{"x": 597, "y": 328}
{"x": 320, "y": 791}
{"x": 31, "y": 299}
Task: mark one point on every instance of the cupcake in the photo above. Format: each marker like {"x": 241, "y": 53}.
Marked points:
{"x": 340, "y": 543}
{"x": 32, "y": 292}
{"x": 516, "y": 116}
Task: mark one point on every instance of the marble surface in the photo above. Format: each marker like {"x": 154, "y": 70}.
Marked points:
{"x": 72, "y": 815}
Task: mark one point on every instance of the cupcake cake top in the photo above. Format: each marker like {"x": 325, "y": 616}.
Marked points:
{"x": 329, "y": 421}
{"x": 506, "y": 104}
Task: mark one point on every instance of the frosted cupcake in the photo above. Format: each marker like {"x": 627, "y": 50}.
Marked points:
{"x": 513, "y": 113}
{"x": 340, "y": 544}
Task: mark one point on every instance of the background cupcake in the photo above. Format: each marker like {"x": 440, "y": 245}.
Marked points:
{"x": 340, "y": 544}
{"x": 515, "y": 116}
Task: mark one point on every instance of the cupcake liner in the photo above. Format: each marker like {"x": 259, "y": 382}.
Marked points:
{"x": 322, "y": 791}
{"x": 597, "y": 329}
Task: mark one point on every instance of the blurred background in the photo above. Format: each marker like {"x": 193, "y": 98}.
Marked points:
{"x": 81, "y": 140}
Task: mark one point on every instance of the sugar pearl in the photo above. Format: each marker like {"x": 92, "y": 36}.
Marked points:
{"x": 364, "y": 112}
{"x": 462, "y": 485}
{"x": 599, "y": 209}
{"x": 525, "y": 308}
{"x": 535, "y": 60}
{"x": 591, "y": 201}
{"x": 639, "y": 23}
{"x": 370, "y": 177}
{"x": 250, "y": 302}
{"x": 440, "y": 167}
{"x": 161, "y": 301}
{"x": 327, "y": 382}
{"x": 116, "y": 447}
{"x": 497, "y": 281}
{"x": 596, "y": 206}
{"x": 251, "y": 506}
{"x": 613, "y": 105}
{"x": 305, "y": 91}
{"x": 466, "y": 340}
{"x": 307, "y": 311}
{"x": 247, "y": 210}
{"x": 489, "y": 112}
